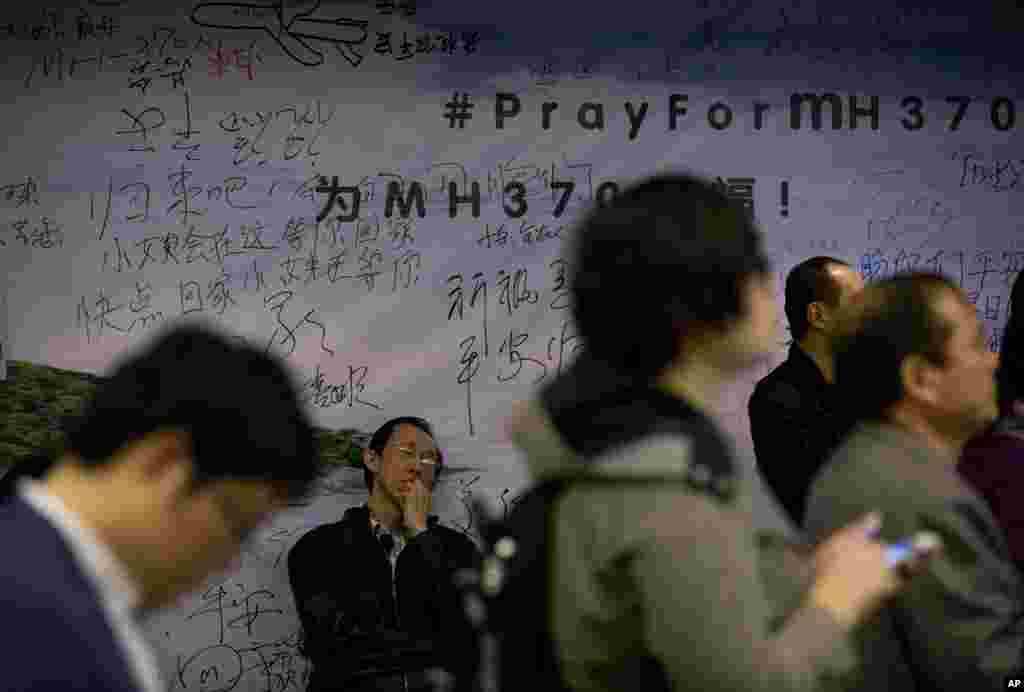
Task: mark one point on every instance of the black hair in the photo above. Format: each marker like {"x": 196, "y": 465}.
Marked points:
{"x": 670, "y": 251}
{"x": 379, "y": 440}
{"x": 1010, "y": 373}
{"x": 809, "y": 282}
{"x": 238, "y": 405}
{"x": 35, "y": 466}
{"x": 896, "y": 317}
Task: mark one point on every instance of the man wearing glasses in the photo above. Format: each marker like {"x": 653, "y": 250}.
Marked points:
{"x": 374, "y": 591}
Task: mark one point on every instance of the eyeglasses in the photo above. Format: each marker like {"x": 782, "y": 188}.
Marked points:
{"x": 427, "y": 463}
{"x": 409, "y": 454}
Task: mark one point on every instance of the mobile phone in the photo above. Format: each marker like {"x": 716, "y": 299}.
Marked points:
{"x": 902, "y": 551}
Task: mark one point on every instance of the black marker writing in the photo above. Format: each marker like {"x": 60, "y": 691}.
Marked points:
{"x": 469, "y": 359}
{"x": 295, "y": 35}
{"x": 96, "y": 318}
{"x": 138, "y": 200}
{"x": 145, "y": 122}
{"x": 510, "y": 347}
{"x": 22, "y": 194}
{"x": 252, "y": 610}
{"x": 186, "y": 134}
{"x": 284, "y": 333}
{"x": 44, "y": 233}
{"x": 560, "y": 299}
{"x": 513, "y": 290}
{"x": 325, "y": 395}
{"x": 334, "y": 191}
{"x": 185, "y": 194}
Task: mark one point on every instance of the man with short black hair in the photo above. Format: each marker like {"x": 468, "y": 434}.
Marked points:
{"x": 796, "y": 419}
{"x": 913, "y": 362}
{"x": 179, "y": 456}
{"x": 375, "y": 590}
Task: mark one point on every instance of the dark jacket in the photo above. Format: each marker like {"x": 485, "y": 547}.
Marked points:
{"x": 795, "y": 422}
{"x": 660, "y": 580}
{"x": 355, "y": 633}
{"x": 58, "y": 636}
{"x": 993, "y": 463}
{"x": 960, "y": 624}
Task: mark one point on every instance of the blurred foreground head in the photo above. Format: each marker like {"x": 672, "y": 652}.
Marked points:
{"x": 667, "y": 269}
{"x": 182, "y": 452}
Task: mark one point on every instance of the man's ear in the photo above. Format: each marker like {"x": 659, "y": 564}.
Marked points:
{"x": 919, "y": 377}
{"x": 371, "y": 460}
{"x": 164, "y": 456}
{"x": 816, "y": 315}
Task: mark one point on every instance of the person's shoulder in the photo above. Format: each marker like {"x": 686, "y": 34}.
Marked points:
{"x": 317, "y": 536}
{"x": 993, "y": 459}
{"x": 689, "y": 460}
{"x": 27, "y": 593}
{"x": 858, "y": 448}
{"x": 452, "y": 537}
{"x": 38, "y": 632}
{"x": 68, "y": 625}
{"x": 866, "y": 459}
{"x": 39, "y": 547}
{"x": 47, "y": 592}
{"x": 10, "y": 516}
{"x": 995, "y": 442}
{"x": 50, "y": 606}
{"x": 779, "y": 387}
{"x": 660, "y": 488}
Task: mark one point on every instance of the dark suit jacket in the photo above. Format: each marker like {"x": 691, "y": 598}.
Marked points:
{"x": 56, "y": 633}
{"x": 960, "y": 624}
{"x": 795, "y": 421}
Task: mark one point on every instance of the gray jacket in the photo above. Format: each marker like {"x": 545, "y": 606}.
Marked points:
{"x": 959, "y": 626}
{"x": 674, "y": 572}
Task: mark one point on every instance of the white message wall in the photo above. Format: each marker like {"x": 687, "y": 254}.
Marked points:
{"x": 176, "y": 161}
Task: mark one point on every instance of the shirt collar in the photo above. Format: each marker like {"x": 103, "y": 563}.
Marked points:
{"x": 108, "y": 574}
{"x": 378, "y": 528}
{"x": 798, "y": 356}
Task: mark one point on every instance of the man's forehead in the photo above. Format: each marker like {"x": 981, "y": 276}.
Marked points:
{"x": 406, "y": 433}
{"x": 844, "y": 274}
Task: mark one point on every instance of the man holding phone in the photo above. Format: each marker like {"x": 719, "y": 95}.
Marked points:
{"x": 913, "y": 363}
{"x": 374, "y": 591}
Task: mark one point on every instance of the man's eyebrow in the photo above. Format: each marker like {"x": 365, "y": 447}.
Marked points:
{"x": 413, "y": 445}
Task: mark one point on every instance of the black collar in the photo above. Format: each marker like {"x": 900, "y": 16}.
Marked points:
{"x": 805, "y": 367}
{"x": 595, "y": 408}
{"x": 360, "y": 516}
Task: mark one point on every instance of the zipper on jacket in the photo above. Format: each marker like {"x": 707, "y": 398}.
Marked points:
{"x": 393, "y": 566}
